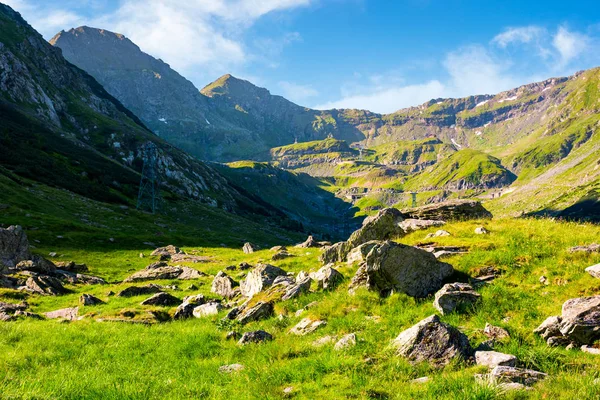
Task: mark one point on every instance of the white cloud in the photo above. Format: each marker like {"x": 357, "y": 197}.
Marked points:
{"x": 46, "y": 21}
{"x": 297, "y": 93}
{"x": 569, "y": 44}
{"x": 524, "y": 34}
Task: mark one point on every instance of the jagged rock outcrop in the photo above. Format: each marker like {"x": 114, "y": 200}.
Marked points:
{"x": 433, "y": 341}
{"x": 249, "y": 248}
{"x": 397, "y": 267}
{"x": 45, "y": 285}
{"x": 262, "y": 310}
{"x": 186, "y": 309}
{"x": 300, "y": 286}
{"x": 455, "y": 210}
{"x": 224, "y": 285}
{"x": 327, "y": 277}
{"x": 578, "y": 324}
{"x": 260, "y": 278}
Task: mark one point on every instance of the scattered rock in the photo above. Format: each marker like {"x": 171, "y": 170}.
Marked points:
{"x": 594, "y": 271}
{"x": 277, "y": 249}
{"x": 26, "y": 314}
{"x": 438, "y": 233}
{"x": 544, "y": 280}
{"x": 505, "y": 374}
{"x": 325, "y": 340}
{"x": 455, "y": 297}
{"x": 461, "y": 210}
{"x": 167, "y": 251}
{"x": 282, "y": 255}
{"x": 70, "y": 314}
{"x": 396, "y": 267}
{"x": 254, "y": 337}
{"x": 480, "y": 230}
{"x": 224, "y": 285}
{"x": 36, "y": 264}
{"x": 71, "y": 266}
{"x": 307, "y": 326}
{"x": 492, "y": 359}
{"x": 228, "y": 369}
{"x": 186, "y": 309}
{"x": 230, "y": 268}
{"x": 579, "y": 323}
{"x": 232, "y": 335}
{"x": 244, "y": 266}
{"x": 411, "y": 225}
{"x": 75, "y": 278}
{"x": 586, "y": 349}
{"x": 433, "y": 341}
{"x": 207, "y": 309}
{"x": 261, "y": 310}
{"x": 495, "y": 332}
{"x": 249, "y": 248}
{"x": 327, "y": 277}
{"x": 45, "y": 285}
{"x": 284, "y": 280}
{"x": 139, "y": 290}
{"x": 345, "y": 342}
{"x": 306, "y": 307}
{"x": 89, "y": 300}
{"x": 161, "y": 299}
{"x": 423, "y": 379}
{"x": 154, "y": 272}
{"x": 359, "y": 254}
{"x": 260, "y": 278}
{"x": 310, "y": 242}
{"x": 14, "y": 247}
{"x": 5, "y": 317}
{"x": 591, "y": 248}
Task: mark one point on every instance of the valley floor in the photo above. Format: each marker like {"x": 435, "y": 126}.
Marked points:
{"x": 181, "y": 359}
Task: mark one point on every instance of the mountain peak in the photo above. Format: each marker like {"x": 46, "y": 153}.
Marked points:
{"x": 89, "y": 33}
{"x": 229, "y": 84}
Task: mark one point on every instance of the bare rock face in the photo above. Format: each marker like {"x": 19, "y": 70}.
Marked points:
{"x": 383, "y": 226}
{"x": 396, "y": 267}
{"x": 14, "y": 247}
{"x": 493, "y": 359}
{"x": 261, "y": 310}
{"x": 186, "y": 309}
{"x": 207, "y": 309}
{"x": 455, "y": 210}
{"x": 249, "y": 248}
{"x": 45, "y": 285}
{"x": 327, "y": 277}
{"x": 578, "y": 324}
{"x": 433, "y": 341}
{"x": 161, "y": 299}
{"x": 255, "y": 337}
{"x": 455, "y": 296}
{"x": 224, "y": 285}
{"x": 89, "y": 300}
{"x": 260, "y": 278}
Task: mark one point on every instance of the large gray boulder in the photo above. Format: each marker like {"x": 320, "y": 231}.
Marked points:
{"x": 594, "y": 271}
{"x": 453, "y": 210}
{"x": 45, "y": 285}
{"x": 397, "y": 267}
{"x": 260, "y": 278}
{"x": 455, "y": 296}
{"x": 36, "y": 264}
{"x": 153, "y": 272}
{"x": 382, "y": 226}
{"x": 327, "y": 277}
{"x": 186, "y": 309}
{"x": 14, "y": 247}
{"x": 578, "y": 324}
{"x": 492, "y": 359}
{"x": 360, "y": 253}
{"x": 224, "y": 285}
{"x": 433, "y": 341}
{"x": 302, "y": 285}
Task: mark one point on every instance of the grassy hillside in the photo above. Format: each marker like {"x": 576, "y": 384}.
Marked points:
{"x": 88, "y": 359}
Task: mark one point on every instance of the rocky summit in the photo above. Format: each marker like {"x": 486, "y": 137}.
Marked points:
{"x": 163, "y": 236}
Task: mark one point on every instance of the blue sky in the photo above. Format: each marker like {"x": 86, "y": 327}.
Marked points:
{"x": 381, "y": 55}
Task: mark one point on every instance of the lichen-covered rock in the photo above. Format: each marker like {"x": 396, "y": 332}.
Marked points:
{"x": 359, "y": 254}
{"x": 224, "y": 285}
{"x": 506, "y": 374}
{"x": 433, "y": 341}
{"x": 495, "y": 332}
{"x": 167, "y": 251}
{"x": 594, "y": 271}
{"x": 460, "y": 210}
{"x": 455, "y": 296}
{"x": 481, "y": 230}
{"x": 396, "y": 267}
{"x": 260, "y": 278}
{"x": 186, "y": 309}
{"x": 492, "y": 359}
{"x": 161, "y": 299}
{"x": 70, "y": 314}
{"x": 262, "y": 310}
{"x": 254, "y": 337}
{"x": 164, "y": 272}
{"x": 231, "y": 368}
{"x": 327, "y": 277}
{"x": 346, "y": 342}
{"x": 591, "y": 248}
{"x": 281, "y": 255}
{"x": 14, "y": 247}
{"x": 411, "y": 224}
